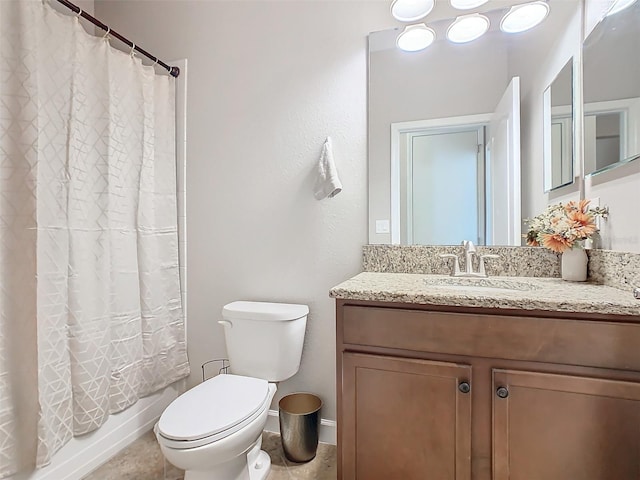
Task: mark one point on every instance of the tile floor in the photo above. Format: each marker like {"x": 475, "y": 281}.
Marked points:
{"x": 142, "y": 460}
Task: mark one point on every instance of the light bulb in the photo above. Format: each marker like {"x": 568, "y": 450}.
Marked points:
{"x": 521, "y": 18}
{"x": 415, "y": 38}
{"x": 468, "y": 28}
{"x": 411, "y": 10}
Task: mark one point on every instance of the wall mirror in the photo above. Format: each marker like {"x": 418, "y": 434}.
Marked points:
{"x": 558, "y": 130}
{"x": 611, "y": 91}
{"x": 418, "y": 101}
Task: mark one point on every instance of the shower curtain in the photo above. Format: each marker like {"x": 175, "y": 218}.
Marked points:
{"x": 90, "y": 302}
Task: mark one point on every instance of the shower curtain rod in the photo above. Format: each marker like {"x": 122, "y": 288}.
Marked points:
{"x": 174, "y": 71}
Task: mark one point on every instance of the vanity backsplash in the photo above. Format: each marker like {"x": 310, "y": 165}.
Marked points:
{"x": 616, "y": 269}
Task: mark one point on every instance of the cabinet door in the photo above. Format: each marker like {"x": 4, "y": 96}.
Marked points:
{"x": 561, "y": 427}
{"x": 405, "y": 419}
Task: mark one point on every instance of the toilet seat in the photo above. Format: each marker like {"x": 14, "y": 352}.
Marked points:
{"x": 212, "y": 411}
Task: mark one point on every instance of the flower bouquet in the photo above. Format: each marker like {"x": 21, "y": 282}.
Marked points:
{"x": 561, "y": 227}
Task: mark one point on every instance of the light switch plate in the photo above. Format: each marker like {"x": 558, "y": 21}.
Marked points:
{"x": 382, "y": 226}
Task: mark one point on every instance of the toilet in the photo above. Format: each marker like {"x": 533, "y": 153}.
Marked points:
{"x": 214, "y": 430}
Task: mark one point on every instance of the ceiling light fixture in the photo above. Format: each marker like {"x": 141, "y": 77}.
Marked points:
{"x": 466, "y": 4}
{"x": 411, "y": 10}
{"x": 521, "y": 18}
{"x": 620, "y": 5}
{"x": 468, "y": 28}
{"x": 415, "y": 38}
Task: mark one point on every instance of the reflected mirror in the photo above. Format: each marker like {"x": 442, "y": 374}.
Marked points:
{"x": 611, "y": 91}
{"x": 558, "y": 130}
{"x": 425, "y": 108}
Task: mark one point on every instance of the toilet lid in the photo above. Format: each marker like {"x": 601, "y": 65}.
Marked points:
{"x": 212, "y": 407}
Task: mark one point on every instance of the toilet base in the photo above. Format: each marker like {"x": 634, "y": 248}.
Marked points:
{"x": 259, "y": 470}
{"x": 254, "y": 465}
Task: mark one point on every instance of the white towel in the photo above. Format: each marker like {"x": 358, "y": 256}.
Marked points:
{"x": 327, "y": 183}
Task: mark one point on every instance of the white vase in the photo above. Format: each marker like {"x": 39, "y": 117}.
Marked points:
{"x": 574, "y": 265}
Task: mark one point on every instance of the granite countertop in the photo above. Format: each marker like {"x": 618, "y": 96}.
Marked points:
{"x": 524, "y": 293}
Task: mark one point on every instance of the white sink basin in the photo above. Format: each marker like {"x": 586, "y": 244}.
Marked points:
{"x": 480, "y": 284}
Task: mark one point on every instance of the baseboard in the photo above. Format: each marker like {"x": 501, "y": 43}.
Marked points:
{"x": 84, "y": 454}
{"x": 327, "y": 432}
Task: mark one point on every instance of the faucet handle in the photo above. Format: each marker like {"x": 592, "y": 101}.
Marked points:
{"x": 456, "y": 262}
{"x": 482, "y": 270}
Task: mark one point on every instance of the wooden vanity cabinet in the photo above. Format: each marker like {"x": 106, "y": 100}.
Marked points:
{"x": 558, "y": 427}
{"x": 447, "y": 393}
{"x": 403, "y": 417}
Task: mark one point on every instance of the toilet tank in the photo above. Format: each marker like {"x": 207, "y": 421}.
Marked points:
{"x": 264, "y": 340}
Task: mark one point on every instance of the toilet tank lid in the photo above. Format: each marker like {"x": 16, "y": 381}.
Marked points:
{"x": 244, "y": 310}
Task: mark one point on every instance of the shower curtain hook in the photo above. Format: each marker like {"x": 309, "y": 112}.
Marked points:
{"x": 106, "y": 35}
{"x": 133, "y": 49}
{"x": 79, "y": 13}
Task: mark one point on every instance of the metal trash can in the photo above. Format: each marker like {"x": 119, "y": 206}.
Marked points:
{"x": 299, "y": 424}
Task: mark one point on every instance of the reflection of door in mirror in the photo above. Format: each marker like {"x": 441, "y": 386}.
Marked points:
{"x": 558, "y": 130}
{"x": 603, "y": 139}
{"x": 442, "y": 186}
{"x": 611, "y": 133}
{"x": 444, "y": 190}
{"x": 611, "y": 91}
{"x": 503, "y": 169}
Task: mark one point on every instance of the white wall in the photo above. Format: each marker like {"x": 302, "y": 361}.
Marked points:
{"x": 268, "y": 81}
{"x": 618, "y": 189}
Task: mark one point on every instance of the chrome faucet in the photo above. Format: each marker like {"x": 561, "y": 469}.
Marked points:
{"x": 469, "y": 253}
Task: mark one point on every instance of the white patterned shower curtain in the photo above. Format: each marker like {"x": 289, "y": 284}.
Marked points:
{"x": 90, "y": 304}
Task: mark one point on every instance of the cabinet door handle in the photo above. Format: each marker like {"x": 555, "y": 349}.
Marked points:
{"x": 502, "y": 392}
{"x": 464, "y": 387}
